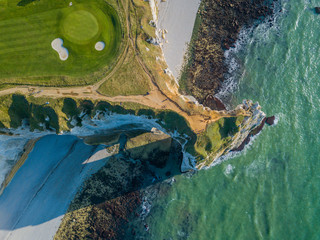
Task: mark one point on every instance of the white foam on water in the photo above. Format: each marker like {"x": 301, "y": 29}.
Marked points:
{"x": 259, "y": 32}
{"x": 229, "y": 169}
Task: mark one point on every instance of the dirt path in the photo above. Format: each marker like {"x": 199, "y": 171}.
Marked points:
{"x": 156, "y": 98}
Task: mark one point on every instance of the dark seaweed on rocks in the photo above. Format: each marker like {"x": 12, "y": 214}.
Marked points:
{"x": 221, "y": 22}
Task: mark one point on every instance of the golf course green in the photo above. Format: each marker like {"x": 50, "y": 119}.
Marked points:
{"x": 80, "y": 27}
{"x": 27, "y": 31}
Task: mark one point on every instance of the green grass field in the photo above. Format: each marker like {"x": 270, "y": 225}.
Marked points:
{"x": 80, "y": 27}
{"x": 28, "y": 27}
{"x": 131, "y": 80}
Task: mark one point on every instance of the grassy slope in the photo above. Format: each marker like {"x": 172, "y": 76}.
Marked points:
{"x": 130, "y": 80}
{"x": 15, "y": 108}
{"x": 57, "y": 114}
{"x": 131, "y": 73}
{"x": 218, "y": 135}
{"x": 26, "y": 56}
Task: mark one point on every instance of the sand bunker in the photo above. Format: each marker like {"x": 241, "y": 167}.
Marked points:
{"x": 57, "y": 45}
{"x": 99, "y": 46}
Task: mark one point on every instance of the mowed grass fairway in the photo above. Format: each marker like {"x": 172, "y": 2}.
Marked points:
{"x": 26, "y": 33}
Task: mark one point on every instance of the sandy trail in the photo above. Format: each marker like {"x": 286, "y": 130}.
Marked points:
{"x": 158, "y": 98}
{"x": 155, "y": 99}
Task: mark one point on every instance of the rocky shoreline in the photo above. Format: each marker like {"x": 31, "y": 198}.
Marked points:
{"x": 220, "y": 25}
{"x": 113, "y": 196}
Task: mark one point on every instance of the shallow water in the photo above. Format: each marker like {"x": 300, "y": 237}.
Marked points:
{"x": 271, "y": 190}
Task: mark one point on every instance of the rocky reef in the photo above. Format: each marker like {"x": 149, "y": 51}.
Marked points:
{"x": 217, "y": 28}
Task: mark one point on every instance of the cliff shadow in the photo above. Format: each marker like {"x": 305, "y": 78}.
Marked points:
{"x": 37, "y": 116}
{"x": 132, "y": 169}
{"x": 56, "y": 161}
{"x": 109, "y": 199}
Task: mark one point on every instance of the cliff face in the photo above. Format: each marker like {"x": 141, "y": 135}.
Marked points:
{"x": 110, "y": 198}
{"x": 232, "y": 138}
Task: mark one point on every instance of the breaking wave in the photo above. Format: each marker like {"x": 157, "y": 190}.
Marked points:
{"x": 234, "y": 57}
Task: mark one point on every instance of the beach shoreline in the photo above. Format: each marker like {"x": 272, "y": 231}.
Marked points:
{"x": 175, "y": 22}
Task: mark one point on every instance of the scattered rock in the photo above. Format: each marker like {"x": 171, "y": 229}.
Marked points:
{"x": 270, "y": 120}
{"x": 251, "y": 134}
{"x": 167, "y": 71}
{"x": 221, "y": 22}
{"x": 259, "y": 128}
{"x": 153, "y": 41}
{"x": 214, "y": 103}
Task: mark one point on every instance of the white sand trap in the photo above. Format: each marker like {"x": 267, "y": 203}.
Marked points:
{"x": 99, "y": 46}
{"x": 57, "y": 45}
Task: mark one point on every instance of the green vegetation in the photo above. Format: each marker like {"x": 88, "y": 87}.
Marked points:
{"x": 80, "y": 27}
{"x": 62, "y": 113}
{"x": 130, "y": 80}
{"x": 39, "y": 115}
{"x": 217, "y": 135}
{"x": 28, "y": 27}
{"x": 16, "y": 107}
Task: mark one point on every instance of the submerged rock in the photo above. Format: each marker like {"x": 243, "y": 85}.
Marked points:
{"x": 317, "y": 9}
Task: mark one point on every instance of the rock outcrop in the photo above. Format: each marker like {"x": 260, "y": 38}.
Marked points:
{"x": 221, "y": 22}
{"x": 270, "y": 120}
{"x": 235, "y": 140}
{"x": 149, "y": 146}
{"x": 110, "y": 198}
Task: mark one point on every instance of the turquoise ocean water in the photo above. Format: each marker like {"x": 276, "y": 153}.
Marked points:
{"x": 271, "y": 190}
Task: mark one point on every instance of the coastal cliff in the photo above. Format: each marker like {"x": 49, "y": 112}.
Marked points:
{"x": 146, "y": 165}
{"x": 191, "y": 137}
{"x": 112, "y": 196}
{"x": 235, "y": 135}
{"x": 200, "y": 150}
